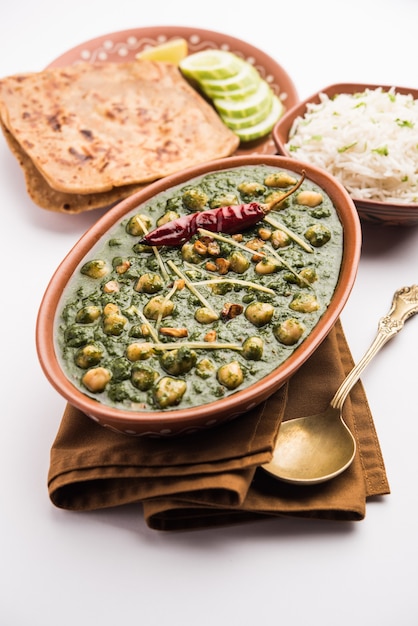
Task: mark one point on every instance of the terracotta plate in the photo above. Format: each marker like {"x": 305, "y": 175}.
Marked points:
{"x": 124, "y": 45}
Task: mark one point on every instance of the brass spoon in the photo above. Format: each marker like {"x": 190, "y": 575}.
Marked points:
{"x": 316, "y": 448}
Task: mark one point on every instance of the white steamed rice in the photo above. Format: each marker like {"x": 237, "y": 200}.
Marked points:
{"x": 368, "y": 141}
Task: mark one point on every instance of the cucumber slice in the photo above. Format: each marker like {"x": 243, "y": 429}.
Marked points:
{"x": 247, "y": 80}
{"x": 248, "y": 105}
{"x": 210, "y": 64}
{"x": 235, "y": 123}
{"x": 234, "y": 94}
{"x": 265, "y": 126}
{"x": 244, "y": 101}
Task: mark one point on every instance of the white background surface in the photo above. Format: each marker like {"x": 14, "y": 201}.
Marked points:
{"x": 66, "y": 569}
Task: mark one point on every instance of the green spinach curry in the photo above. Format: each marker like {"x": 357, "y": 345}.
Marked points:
{"x": 154, "y": 328}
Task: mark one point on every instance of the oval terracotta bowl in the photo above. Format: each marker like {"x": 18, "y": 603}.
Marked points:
{"x": 179, "y": 421}
{"x": 383, "y": 213}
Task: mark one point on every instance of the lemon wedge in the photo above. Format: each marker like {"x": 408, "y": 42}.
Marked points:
{"x": 173, "y": 51}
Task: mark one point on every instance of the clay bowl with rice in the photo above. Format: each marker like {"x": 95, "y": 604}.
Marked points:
{"x": 166, "y": 338}
{"x": 364, "y": 135}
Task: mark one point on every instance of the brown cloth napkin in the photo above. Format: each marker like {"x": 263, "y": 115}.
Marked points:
{"x": 213, "y": 477}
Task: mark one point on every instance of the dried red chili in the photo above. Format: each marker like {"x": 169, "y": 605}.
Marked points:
{"x": 227, "y": 219}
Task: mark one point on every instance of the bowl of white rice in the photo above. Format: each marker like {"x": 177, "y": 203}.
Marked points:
{"x": 366, "y": 136}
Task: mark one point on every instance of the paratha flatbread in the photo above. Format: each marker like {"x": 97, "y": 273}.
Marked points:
{"x": 57, "y": 201}
{"x": 90, "y": 128}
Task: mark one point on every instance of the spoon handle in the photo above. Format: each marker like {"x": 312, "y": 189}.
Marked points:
{"x": 404, "y": 305}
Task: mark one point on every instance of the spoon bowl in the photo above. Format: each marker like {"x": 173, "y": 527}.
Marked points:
{"x": 306, "y": 450}
{"x": 316, "y": 448}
